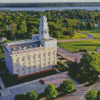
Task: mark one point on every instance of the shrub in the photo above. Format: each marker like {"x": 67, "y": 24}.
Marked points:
{"x": 91, "y": 95}
{"x": 67, "y": 86}
{"x": 31, "y": 96}
{"x": 19, "y": 97}
{"x": 60, "y": 64}
{"x": 51, "y": 92}
{"x": 98, "y": 95}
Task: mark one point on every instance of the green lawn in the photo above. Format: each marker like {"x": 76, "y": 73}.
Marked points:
{"x": 89, "y": 45}
{"x": 77, "y": 36}
{"x": 95, "y": 32}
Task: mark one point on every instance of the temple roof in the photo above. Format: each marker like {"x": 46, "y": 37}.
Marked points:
{"x": 21, "y": 46}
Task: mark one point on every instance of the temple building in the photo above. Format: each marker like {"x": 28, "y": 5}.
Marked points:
{"x": 32, "y": 55}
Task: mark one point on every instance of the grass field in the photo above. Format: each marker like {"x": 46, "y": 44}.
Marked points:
{"x": 77, "y": 36}
{"x": 95, "y": 32}
{"x": 89, "y": 45}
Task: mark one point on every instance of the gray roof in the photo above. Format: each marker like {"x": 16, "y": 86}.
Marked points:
{"x": 15, "y": 47}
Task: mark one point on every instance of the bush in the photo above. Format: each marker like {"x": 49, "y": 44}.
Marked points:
{"x": 91, "y": 95}
{"x": 82, "y": 50}
{"x": 15, "y": 77}
{"x": 19, "y": 97}
{"x": 98, "y": 95}
{"x": 51, "y": 92}
{"x": 67, "y": 86}
{"x": 60, "y": 64}
{"x": 31, "y": 96}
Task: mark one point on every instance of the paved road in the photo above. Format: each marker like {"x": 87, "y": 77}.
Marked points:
{"x": 88, "y": 38}
{"x": 37, "y": 86}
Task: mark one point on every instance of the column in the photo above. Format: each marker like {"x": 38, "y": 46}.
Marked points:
{"x": 36, "y": 61}
{"x": 46, "y": 60}
{"x": 25, "y": 64}
{"x": 50, "y": 57}
{"x": 41, "y": 60}
{"x": 31, "y": 58}
{"x": 55, "y": 56}
{"x": 20, "y": 66}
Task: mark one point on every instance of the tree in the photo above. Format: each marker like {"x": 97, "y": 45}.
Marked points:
{"x": 51, "y": 92}
{"x": 98, "y": 95}
{"x": 23, "y": 28}
{"x": 19, "y": 97}
{"x": 67, "y": 86}
{"x": 56, "y": 34}
{"x": 90, "y": 64}
{"x": 31, "y": 96}
{"x": 91, "y": 95}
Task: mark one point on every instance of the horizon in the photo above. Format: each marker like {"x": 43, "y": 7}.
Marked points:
{"x": 49, "y": 1}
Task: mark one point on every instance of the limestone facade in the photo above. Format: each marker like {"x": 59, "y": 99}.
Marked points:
{"x": 32, "y": 55}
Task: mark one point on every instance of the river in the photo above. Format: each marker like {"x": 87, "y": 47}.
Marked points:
{"x": 49, "y": 8}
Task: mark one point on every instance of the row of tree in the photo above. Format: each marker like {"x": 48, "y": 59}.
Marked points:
{"x": 50, "y": 92}
{"x": 70, "y": 4}
{"x": 23, "y": 24}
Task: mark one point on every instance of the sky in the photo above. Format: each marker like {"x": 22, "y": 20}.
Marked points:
{"x": 38, "y": 1}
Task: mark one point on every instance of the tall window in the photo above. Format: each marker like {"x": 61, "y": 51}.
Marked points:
{"x": 28, "y": 57}
{"x": 44, "y": 55}
{"x": 17, "y": 60}
{"x": 23, "y": 59}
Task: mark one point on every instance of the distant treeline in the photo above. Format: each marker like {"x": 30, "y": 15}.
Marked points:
{"x": 50, "y": 4}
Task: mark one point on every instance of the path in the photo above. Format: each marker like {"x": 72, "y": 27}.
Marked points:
{"x": 88, "y": 38}
{"x": 72, "y": 56}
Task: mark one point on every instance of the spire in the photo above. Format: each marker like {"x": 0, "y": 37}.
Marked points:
{"x": 43, "y": 28}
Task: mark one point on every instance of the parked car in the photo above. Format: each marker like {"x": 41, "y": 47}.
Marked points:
{"x": 42, "y": 81}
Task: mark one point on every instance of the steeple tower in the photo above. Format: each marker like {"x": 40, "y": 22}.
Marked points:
{"x": 43, "y": 28}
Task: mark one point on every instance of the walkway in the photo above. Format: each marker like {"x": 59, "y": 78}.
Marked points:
{"x": 72, "y": 56}
{"x": 88, "y": 38}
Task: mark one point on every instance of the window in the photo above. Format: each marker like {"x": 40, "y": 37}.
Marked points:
{"x": 53, "y": 62}
{"x": 44, "y": 55}
{"x": 44, "y": 64}
{"x": 45, "y": 31}
{"x": 34, "y": 57}
{"x": 49, "y": 54}
{"x": 23, "y": 69}
{"x": 48, "y": 63}
{"x": 28, "y": 57}
{"x": 39, "y": 56}
{"x": 17, "y": 60}
{"x": 17, "y": 70}
{"x": 23, "y": 59}
{"x": 53, "y": 53}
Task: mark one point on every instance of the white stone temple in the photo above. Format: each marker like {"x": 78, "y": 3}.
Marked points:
{"x": 32, "y": 55}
